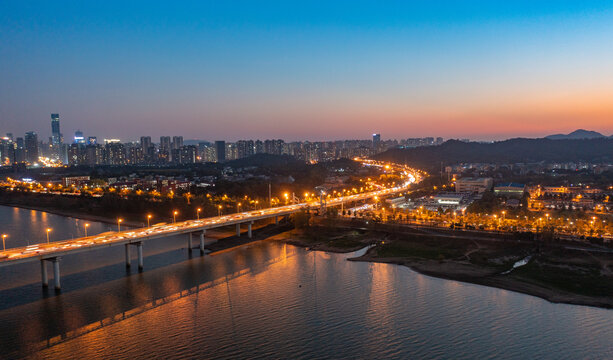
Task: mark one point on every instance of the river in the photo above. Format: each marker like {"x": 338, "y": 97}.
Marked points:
{"x": 270, "y": 300}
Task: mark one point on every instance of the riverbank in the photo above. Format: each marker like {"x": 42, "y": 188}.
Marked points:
{"x": 74, "y": 214}
{"x": 555, "y": 273}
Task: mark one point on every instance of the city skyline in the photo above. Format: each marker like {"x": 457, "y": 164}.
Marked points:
{"x": 309, "y": 71}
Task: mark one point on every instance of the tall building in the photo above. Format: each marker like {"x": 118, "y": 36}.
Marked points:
{"x": 78, "y": 137}
{"x": 165, "y": 149}
{"x": 220, "y": 148}
{"x": 147, "y": 148}
{"x": 31, "y": 147}
{"x": 56, "y": 137}
{"x": 245, "y": 148}
{"x": 177, "y": 142}
{"x": 92, "y": 140}
{"x": 145, "y": 143}
{"x": 376, "y": 142}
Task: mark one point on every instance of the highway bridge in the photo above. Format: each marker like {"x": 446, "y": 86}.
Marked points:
{"x": 134, "y": 238}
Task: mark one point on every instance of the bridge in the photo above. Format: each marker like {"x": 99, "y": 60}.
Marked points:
{"x": 134, "y": 238}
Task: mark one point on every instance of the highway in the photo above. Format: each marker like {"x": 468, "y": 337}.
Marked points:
{"x": 53, "y": 250}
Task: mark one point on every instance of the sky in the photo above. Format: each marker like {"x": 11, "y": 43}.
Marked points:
{"x": 313, "y": 70}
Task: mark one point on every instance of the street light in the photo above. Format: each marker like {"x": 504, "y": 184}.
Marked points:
{"x": 174, "y": 216}
{"x": 149, "y": 216}
{"x": 48, "y": 231}
{"x": 238, "y": 207}
{"x": 198, "y": 210}
{"x": 4, "y": 236}
{"x": 119, "y": 224}
{"x": 219, "y": 210}
{"x": 86, "y": 226}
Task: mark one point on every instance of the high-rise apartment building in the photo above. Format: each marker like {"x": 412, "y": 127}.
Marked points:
{"x": 177, "y": 142}
{"x": 220, "y": 148}
{"x": 165, "y": 149}
{"x": 31, "y": 147}
{"x": 245, "y": 148}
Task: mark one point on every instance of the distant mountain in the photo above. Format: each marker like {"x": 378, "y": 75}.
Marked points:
{"x": 577, "y": 134}
{"x": 503, "y": 152}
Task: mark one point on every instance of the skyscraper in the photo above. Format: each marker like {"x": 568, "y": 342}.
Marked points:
{"x": 31, "y": 147}
{"x": 220, "y": 147}
{"x": 56, "y": 137}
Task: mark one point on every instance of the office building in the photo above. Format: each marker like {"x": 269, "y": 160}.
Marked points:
{"x": 56, "y": 135}
{"x": 78, "y": 137}
{"x": 376, "y": 142}
{"x": 473, "y": 185}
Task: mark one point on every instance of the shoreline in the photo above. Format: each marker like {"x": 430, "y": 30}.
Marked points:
{"x": 457, "y": 271}
{"x": 101, "y": 219}
{"x": 495, "y": 281}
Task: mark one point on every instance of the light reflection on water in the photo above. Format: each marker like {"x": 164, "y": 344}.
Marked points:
{"x": 274, "y": 300}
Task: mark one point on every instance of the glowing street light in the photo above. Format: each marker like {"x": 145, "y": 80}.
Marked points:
{"x": 219, "y": 210}
{"x": 4, "y": 236}
{"x": 86, "y": 226}
{"x": 238, "y": 206}
{"x": 119, "y": 221}
{"x": 48, "y": 231}
{"x": 174, "y": 216}
{"x": 198, "y": 210}
{"x": 149, "y": 216}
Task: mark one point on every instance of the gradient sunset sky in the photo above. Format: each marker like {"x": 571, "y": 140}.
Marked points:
{"x": 312, "y": 70}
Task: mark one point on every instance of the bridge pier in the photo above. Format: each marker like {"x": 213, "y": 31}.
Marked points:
{"x": 56, "y": 273}
{"x": 127, "y": 246}
{"x": 202, "y": 234}
{"x": 249, "y": 234}
{"x": 238, "y": 230}
{"x": 139, "y": 250}
{"x": 276, "y": 220}
{"x": 43, "y": 273}
{"x": 189, "y": 242}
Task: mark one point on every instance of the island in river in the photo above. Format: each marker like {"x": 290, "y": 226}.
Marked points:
{"x": 558, "y": 272}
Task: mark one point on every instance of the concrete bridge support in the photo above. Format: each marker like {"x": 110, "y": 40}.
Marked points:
{"x": 249, "y": 233}
{"x": 276, "y": 220}
{"x": 43, "y": 273}
{"x": 56, "y": 273}
{"x": 127, "y": 246}
{"x": 238, "y": 229}
{"x": 202, "y": 235}
{"x": 139, "y": 250}
{"x": 189, "y": 242}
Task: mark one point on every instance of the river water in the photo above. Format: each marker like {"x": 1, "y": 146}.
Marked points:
{"x": 271, "y": 300}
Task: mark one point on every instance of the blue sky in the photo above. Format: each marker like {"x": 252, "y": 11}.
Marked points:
{"x": 313, "y": 70}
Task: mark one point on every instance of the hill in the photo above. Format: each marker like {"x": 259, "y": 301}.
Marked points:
{"x": 503, "y": 152}
{"x": 577, "y": 134}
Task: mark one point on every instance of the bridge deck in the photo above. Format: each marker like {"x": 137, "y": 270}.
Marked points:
{"x": 58, "y": 248}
